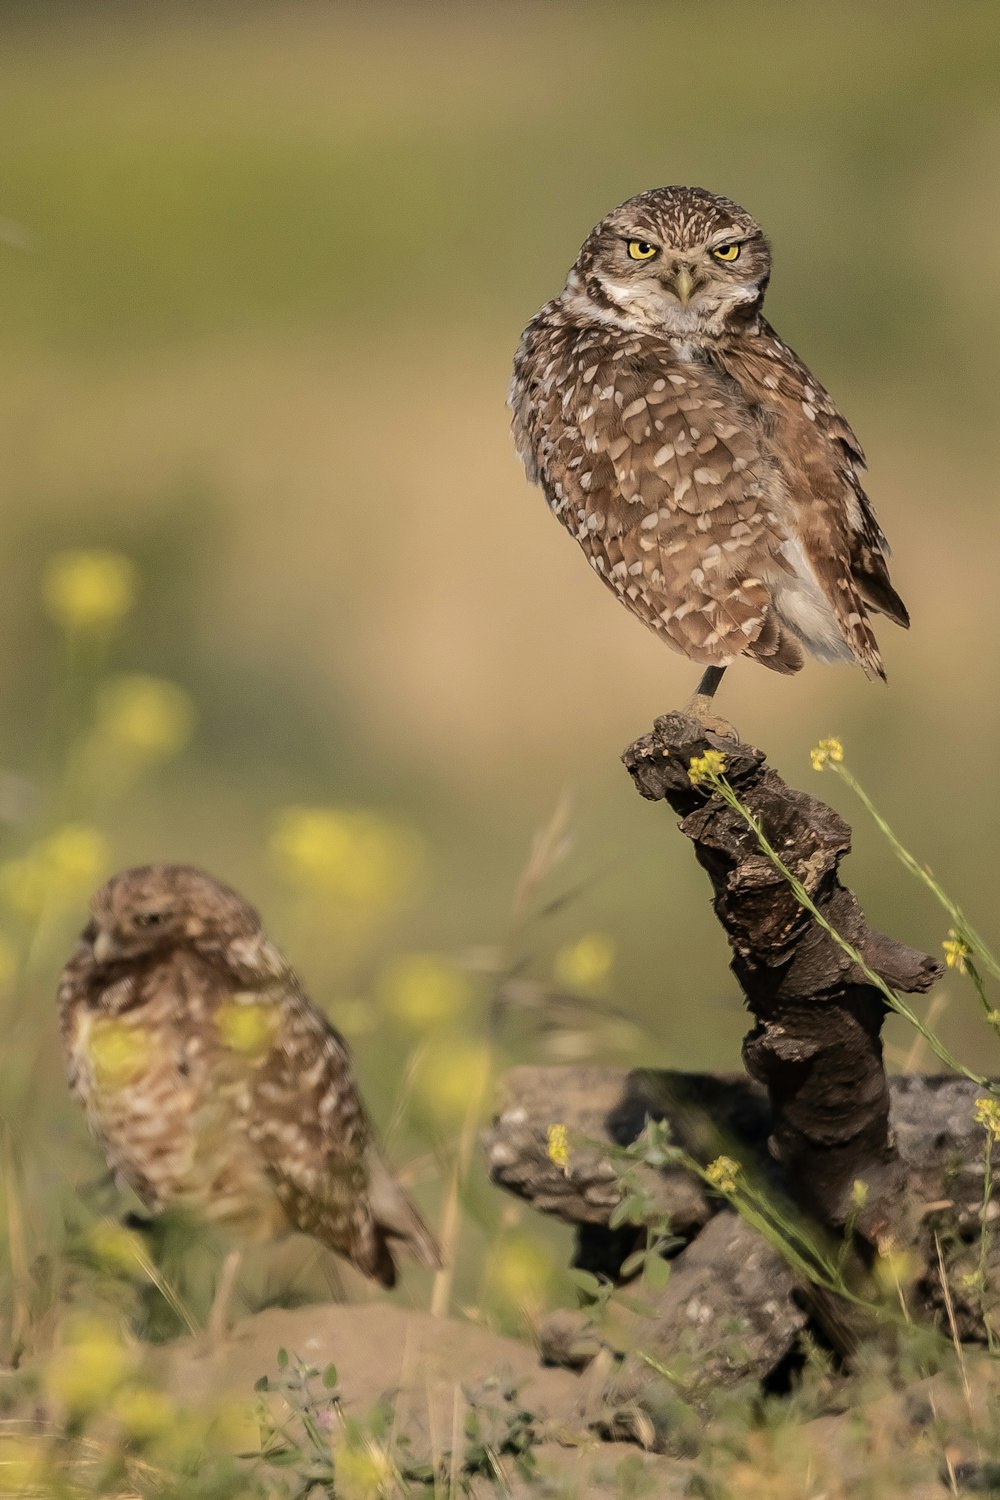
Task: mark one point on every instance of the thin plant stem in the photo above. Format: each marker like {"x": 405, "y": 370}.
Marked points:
{"x": 894, "y": 1000}
{"x": 450, "y": 1215}
{"x": 984, "y": 1237}
{"x": 963, "y": 927}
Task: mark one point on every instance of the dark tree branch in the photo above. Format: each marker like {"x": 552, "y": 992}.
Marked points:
{"x": 816, "y": 1046}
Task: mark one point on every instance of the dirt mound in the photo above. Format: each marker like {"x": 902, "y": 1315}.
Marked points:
{"x": 436, "y": 1368}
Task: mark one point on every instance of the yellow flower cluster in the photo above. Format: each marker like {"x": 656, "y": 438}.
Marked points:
{"x": 558, "y": 1147}
{"x": 723, "y": 1173}
{"x": 143, "y": 718}
{"x": 451, "y": 1078}
{"x": 92, "y": 1365}
{"x": 116, "y": 1248}
{"x": 895, "y": 1269}
{"x": 355, "y": 856}
{"x": 521, "y": 1271}
{"x": 826, "y": 751}
{"x": 956, "y": 951}
{"x": 424, "y": 990}
{"x": 585, "y": 963}
{"x": 89, "y": 591}
{"x": 706, "y": 768}
{"x": 96, "y": 1376}
{"x": 24, "y": 1467}
{"x": 987, "y": 1114}
{"x": 364, "y": 1472}
{"x": 247, "y": 1027}
{"x": 56, "y": 872}
{"x": 117, "y": 1051}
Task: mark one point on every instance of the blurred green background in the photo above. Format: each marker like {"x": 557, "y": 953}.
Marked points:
{"x": 262, "y": 273}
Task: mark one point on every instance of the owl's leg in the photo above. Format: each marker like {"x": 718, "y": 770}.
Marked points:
{"x": 700, "y": 706}
{"x": 218, "y": 1317}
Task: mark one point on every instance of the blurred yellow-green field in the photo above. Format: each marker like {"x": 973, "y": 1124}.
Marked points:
{"x": 262, "y": 272}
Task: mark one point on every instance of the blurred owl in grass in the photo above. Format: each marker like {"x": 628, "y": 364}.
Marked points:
{"x": 709, "y": 478}
{"x": 214, "y": 1084}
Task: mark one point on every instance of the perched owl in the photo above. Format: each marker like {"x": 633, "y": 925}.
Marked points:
{"x": 212, "y": 1081}
{"x": 709, "y": 478}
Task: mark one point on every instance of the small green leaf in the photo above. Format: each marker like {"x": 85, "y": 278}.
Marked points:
{"x": 656, "y": 1273}
{"x": 330, "y": 1377}
{"x": 586, "y": 1281}
{"x": 282, "y": 1359}
{"x": 633, "y": 1263}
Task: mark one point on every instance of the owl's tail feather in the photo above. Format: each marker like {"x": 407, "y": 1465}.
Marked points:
{"x": 776, "y": 647}
{"x": 878, "y": 593}
{"x": 397, "y": 1218}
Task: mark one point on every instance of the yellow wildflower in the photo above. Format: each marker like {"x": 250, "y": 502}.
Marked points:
{"x": 956, "y": 951}
{"x": 895, "y": 1269}
{"x": 57, "y": 870}
{"x": 247, "y": 1026}
{"x": 987, "y": 1114}
{"x": 364, "y": 1473}
{"x": 117, "y": 1248}
{"x": 859, "y": 1193}
{"x": 90, "y": 1367}
{"x": 707, "y": 767}
{"x": 75, "y": 855}
{"x": 585, "y": 963}
{"x": 723, "y": 1173}
{"x": 23, "y": 1467}
{"x": 144, "y": 717}
{"x": 89, "y": 590}
{"x": 558, "y": 1147}
{"x": 355, "y": 855}
{"x": 826, "y": 751}
{"x": 143, "y": 1412}
{"x": 521, "y": 1271}
{"x": 452, "y": 1076}
{"x": 118, "y": 1052}
{"x": 425, "y": 989}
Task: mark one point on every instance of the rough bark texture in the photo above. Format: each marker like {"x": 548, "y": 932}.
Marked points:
{"x": 816, "y": 1046}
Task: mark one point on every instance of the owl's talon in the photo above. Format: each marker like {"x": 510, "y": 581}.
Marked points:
{"x": 700, "y": 707}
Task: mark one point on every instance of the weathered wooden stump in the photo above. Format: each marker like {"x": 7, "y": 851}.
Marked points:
{"x": 816, "y": 1116}
{"x": 816, "y": 1046}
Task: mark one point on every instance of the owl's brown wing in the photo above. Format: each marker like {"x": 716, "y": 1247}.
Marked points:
{"x": 821, "y": 462}
{"x": 310, "y": 1126}
{"x": 662, "y": 477}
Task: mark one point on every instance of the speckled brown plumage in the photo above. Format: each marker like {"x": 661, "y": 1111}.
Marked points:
{"x": 709, "y": 478}
{"x": 212, "y": 1081}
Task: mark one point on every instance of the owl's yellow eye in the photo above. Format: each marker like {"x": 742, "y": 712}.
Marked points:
{"x": 726, "y": 252}
{"x": 641, "y": 250}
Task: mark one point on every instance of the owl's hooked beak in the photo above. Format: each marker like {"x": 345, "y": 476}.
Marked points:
{"x": 683, "y": 284}
{"x": 105, "y": 949}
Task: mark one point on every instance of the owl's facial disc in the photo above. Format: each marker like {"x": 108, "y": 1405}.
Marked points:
{"x": 154, "y": 908}
{"x": 122, "y": 931}
{"x": 660, "y": 287}
{"x": 675, "y": 261}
